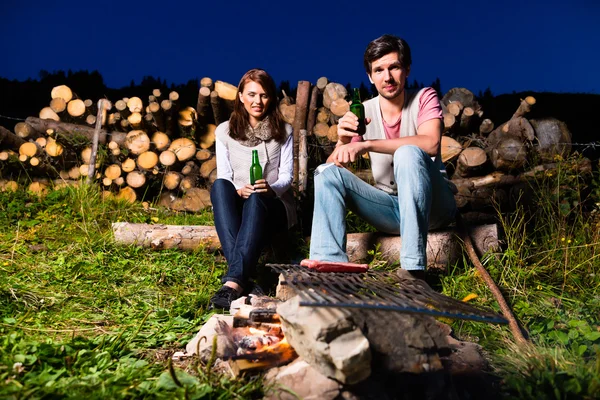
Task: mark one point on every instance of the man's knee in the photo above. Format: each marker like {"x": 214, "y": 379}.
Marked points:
{"x": 408, "y": 156}
{"x": 328, "y": 177}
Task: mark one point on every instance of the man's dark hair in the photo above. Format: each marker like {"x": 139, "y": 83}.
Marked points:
{"x": 387, "y": 44}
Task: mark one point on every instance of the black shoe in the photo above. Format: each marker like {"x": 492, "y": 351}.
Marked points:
{"x": 224, "y": 297}
{"x": 418, "y": 274}
{"x": 256, "y": 290}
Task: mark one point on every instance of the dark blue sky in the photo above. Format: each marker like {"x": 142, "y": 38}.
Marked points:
{"x": 507, "y": 46}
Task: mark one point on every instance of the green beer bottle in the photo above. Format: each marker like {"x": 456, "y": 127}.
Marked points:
{"x": 358, "y": 109}
{"x": 255, "y": 168}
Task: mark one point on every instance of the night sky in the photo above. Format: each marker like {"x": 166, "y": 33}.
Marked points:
{"x": 508, "y": 46}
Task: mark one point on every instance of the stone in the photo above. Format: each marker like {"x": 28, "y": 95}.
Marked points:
{"x": 204, "y": 347}
{"x": 328, "y": 339}
{"x": 300, "y": 380}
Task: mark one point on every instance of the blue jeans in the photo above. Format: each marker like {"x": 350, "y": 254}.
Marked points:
{"x": 244, "y": 227}
{"x": 424, "y": 201}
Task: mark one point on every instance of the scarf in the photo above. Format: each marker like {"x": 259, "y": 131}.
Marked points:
{"x": 260, "y": 133}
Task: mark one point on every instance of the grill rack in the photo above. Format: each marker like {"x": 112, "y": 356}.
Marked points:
{"x": 377, "y": 290}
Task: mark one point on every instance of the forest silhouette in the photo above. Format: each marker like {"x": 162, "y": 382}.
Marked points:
{"x": 21, "y": 99}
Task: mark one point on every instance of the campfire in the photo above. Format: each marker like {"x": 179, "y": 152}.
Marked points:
{"x": 345, "y": 328}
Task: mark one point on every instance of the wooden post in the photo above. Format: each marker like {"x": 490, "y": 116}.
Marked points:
{"x": 99, "y": 118}
{"x": 312, "y": 110}
{"x": 300, "y": 122}
{"x": 302, "y": 162}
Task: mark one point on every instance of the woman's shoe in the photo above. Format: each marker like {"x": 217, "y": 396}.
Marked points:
{"x": 224, "y": 297}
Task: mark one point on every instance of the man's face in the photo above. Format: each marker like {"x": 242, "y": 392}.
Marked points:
{"x": 388, "y": 76}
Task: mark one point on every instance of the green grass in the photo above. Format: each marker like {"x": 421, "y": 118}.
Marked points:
{"x": 83, "y": 317}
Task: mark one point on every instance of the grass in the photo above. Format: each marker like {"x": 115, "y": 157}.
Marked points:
{"x": 81, "y": 316}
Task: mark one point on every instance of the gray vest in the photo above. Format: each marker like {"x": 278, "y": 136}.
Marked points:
{"x": 382, "y": 165}
{"x": 269, "y": 155}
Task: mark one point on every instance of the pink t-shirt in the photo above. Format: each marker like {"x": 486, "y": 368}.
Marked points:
{"x": 429, "y": 108}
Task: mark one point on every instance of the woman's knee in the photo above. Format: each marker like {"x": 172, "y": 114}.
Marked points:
{"x": 220, "y": 188}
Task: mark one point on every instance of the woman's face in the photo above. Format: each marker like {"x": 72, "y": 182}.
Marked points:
{"x": 255, "y": 100}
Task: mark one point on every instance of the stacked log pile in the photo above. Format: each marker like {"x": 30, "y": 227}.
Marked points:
{"x": 490, "y": 164}
{"x": 166, "y": 149}
{"x": 158, "y": 147}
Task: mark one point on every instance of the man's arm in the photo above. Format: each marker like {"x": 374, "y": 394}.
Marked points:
{"x": 428, "y": 138}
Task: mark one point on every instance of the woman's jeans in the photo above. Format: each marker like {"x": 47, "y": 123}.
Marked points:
{"x": 244, "y": 227}
{"x": 424, "y": 201}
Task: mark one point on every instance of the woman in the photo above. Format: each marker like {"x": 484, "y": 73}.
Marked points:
{"x": 247, "y": 216}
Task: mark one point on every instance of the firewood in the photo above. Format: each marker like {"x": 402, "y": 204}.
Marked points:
{"x": 486, "y": 127}
{"x": 76, "y": 108}
{"x": 321, "y": 129}
{"x": 227, "y": 92}
{"x": 213, "y": 176}
{"x": 196, "y": 199}
{"x": 339, "y": 107}
{"x": 449, "y": 121}
{"x": 203, "y": 105}
{"x": 120, "y": 181}
{"x": 303, "y": 161}
{"x": 207, "y": 83}
{"x": 190, "y": 168}
{"x": 183, "y": 148}
{"x": 471, "y": 161}
{"x": 66, "y": 130}
{"x": 30, "y": 149}
{"x": 188, "y": 182}
{"x": 450, "y": 149}
{"x": 137, "y": 142}
{"x": 203, "y": 154}
{"x": 156, "y": 93}
{"x": 147, "y": 160}
{"x": 161, "y": 141}
{"x": 207, "y": 167}
{"x": 26, "y": 131}
{"x": 311, "y": 119}
{"x": 62, "y": 91}
{"x": 128, "y": 165}
{"x": 219, "y": 113}
{"x": 518, "y": 128}
{"x": 135, "y": 179}
{"x": 41, "y": 141}
{"x": 121, "y": 106}
{"x": 172, "y": 179}
{"x": 135, "y": 105}
{"x": 169, "y": 109}
{"x": 208, "y": 138}
{"x": 510, "y": 153}
{"x": 38, "y": 188}
{"x": 90, "y": 119}
{"x": 58, "y": 105}
{"x": 173, "y": 96}
{"x": 287, "y": 108}
{"x": 48, "y": 113}
{"x": 455, "y": 108}
{"x": 53, "y": 149}
{"x": 465, "y": 97}
{"x": 156, "y": 112}
{"x": 127, "y": 194}
{"x": 112, "y": 172}
{"x": 9, "y": 140}
{"x": 443, "y": 248}
{"x": 167, "y": 158}
{"x": 9, "y": 186}
{"x": 553, "y": 138}
{"x": 332, "y": 134}
{"x": 524, "y": 107}
{"x": 187, "y": 122}
{"x": 465, "y": 119}
{"x": 125, "y": 125}
{"x": 322, "y": 83}
{"x": 74, "y": 173}
{"x": 333, "y": 91}
{"x": 135, "y": 120}
{"x": 106, "y": 181}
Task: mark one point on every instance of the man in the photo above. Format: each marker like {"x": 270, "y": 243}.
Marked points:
{"x": 411, "y": 194}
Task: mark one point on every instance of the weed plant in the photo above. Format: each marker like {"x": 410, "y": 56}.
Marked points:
{"x": 549, "y": 271}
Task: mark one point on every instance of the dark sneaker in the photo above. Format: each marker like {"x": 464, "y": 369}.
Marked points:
{"x": 256, "y": 290}
{"x": 224, "y": 297}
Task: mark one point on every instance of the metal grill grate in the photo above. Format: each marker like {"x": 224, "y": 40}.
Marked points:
{"x": 377, "y": 290}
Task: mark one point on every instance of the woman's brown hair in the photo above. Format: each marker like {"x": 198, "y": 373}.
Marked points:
{"x": 239, "y": 120}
